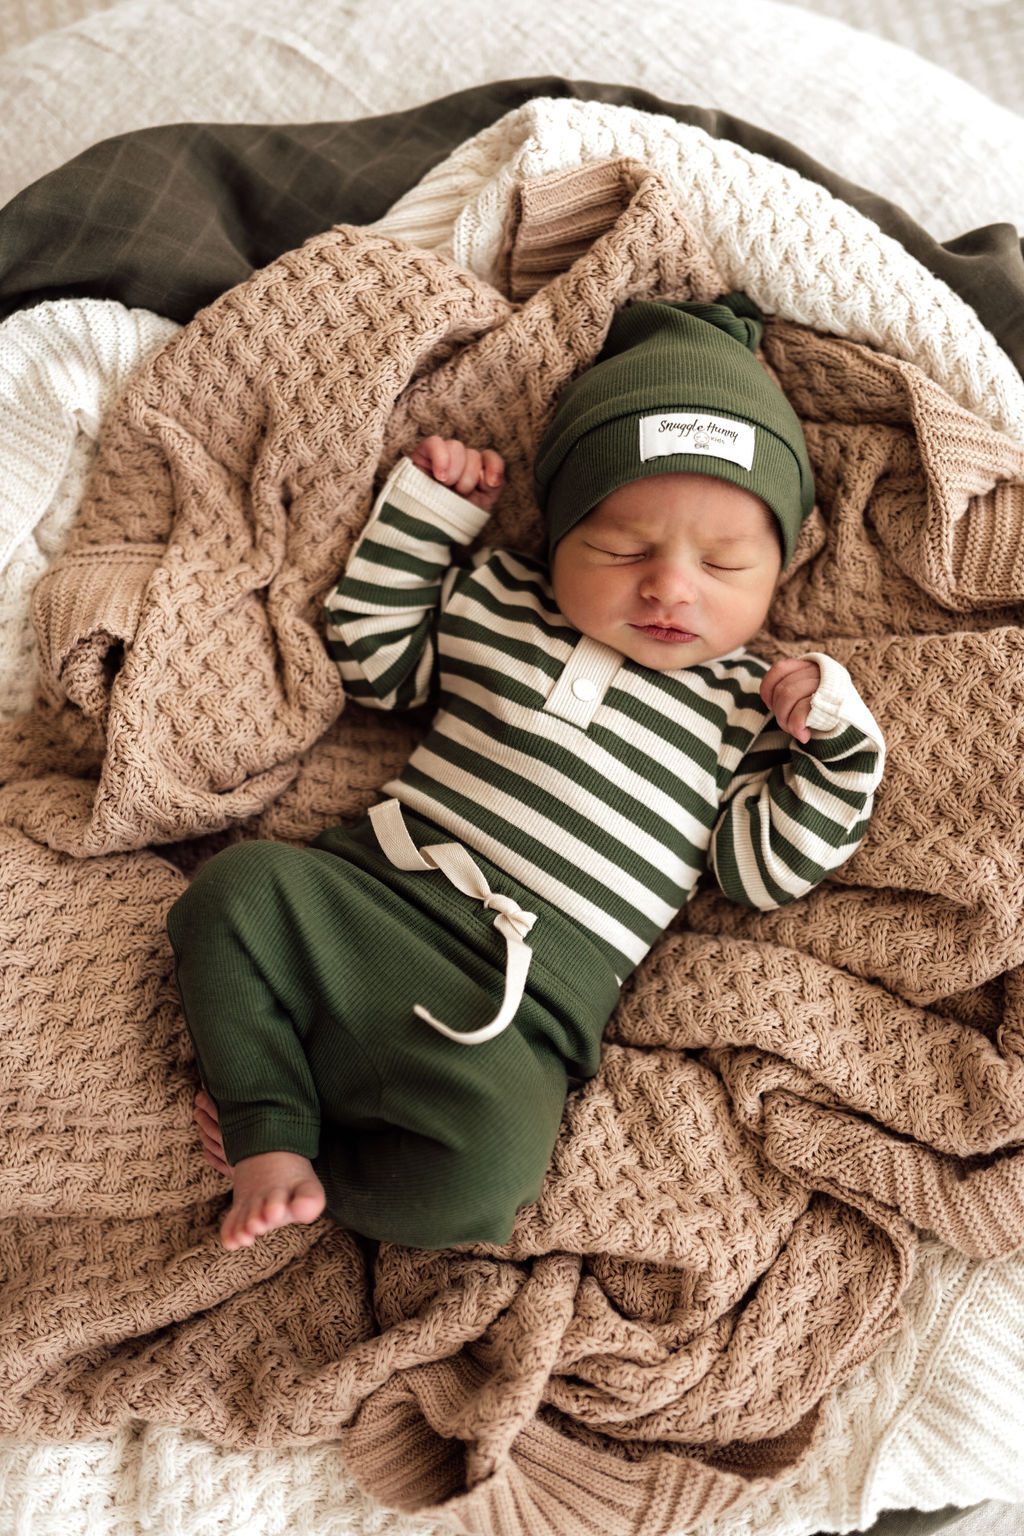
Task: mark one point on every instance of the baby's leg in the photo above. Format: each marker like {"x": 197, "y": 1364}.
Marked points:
{"x": 251, "y": 994}
{"x": 272, "y": 1189}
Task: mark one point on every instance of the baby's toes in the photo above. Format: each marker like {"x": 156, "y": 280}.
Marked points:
{"x": 308, "y": 1200}
{"x": 234, "y": 1230}
{"x": 273, "y": 1211}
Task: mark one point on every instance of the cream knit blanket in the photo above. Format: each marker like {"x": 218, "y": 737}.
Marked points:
{"x": 796, "y": 249}
{"x": 728, "y": 1223}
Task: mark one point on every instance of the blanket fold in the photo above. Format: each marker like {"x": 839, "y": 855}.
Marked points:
{"x": 728, "y": 1223}
{"x": 87, "y": 609}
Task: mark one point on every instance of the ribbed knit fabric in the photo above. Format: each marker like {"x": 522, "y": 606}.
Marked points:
{"x": 308, "y": 1042}
{"x": 660, "y": 360}
{"x": 602, "y": 786}
{"x": 725, "y": 1231}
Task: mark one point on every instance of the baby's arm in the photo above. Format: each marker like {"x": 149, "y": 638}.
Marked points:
{"x": 381, "y": 615}
{"x": 792, "y": 814}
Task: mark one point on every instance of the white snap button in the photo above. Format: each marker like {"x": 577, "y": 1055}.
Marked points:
{"x": 585, "y": 688}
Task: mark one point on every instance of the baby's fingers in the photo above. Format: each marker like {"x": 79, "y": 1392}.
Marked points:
{"x": 482, "y": 477}
{"x": 464, "y": 476}
{"x": 433, "y": 456}
{"x": 479, "y": 476}
{"x": 447, "y": 460}
{"x": 493, "y": 477}
{"x": 788, "y": 689}
{"x": 795, "y": 721}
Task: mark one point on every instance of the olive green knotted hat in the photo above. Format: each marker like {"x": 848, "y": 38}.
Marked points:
{"x": 675, "y": 387}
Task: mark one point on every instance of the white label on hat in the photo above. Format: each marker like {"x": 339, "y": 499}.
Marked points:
{"x": 716, "y": 437}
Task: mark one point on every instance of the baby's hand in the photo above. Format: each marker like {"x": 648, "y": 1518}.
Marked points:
{"x": 787, "y": 689}
{"x": 478, "y": 476}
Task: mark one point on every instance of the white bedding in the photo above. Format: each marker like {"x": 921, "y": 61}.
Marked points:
{"x": 935, "y": 1417}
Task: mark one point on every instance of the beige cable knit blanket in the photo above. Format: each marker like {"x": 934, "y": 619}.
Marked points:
{"x": 728, "y": 1223}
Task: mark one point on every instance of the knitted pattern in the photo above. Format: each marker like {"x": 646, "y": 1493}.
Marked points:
{"x": 823, "y": 264}
{"x": 932, "y": 1419}
{"x": 727, "y": 1227}
{"x": 62, "y": 366}
{"x": 795, "y": 249}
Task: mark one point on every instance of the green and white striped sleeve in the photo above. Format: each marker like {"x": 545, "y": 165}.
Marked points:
{"x": 381, "y": 615}
{"x": 783, "y": 827}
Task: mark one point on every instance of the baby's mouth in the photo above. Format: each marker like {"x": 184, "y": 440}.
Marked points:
{"x": 665, "y": 632}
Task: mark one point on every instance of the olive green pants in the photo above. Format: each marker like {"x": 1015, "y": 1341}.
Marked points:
{"x": 298, "y": 970}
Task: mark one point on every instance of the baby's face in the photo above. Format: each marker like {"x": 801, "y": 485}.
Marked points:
{"x": 670, "y": 571}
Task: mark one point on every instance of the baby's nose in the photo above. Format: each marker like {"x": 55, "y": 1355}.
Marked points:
{"x": 669, "y": 582}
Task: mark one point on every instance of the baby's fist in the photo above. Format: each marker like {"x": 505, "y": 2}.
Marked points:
{"x": 477, "y": 475}
{"x": 787, "y": 689}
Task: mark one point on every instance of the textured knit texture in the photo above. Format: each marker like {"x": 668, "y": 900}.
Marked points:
{"x": 937, "y": 162}
{"x": 795, "y": 249}
{"x": 932, "y": 1419}
{"x": 808, "y": 256}
{"x": 726, "y": 1229}
{"x": 62, "y": 366}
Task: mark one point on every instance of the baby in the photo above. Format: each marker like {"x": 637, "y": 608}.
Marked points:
{"x": 374, "y": 1032}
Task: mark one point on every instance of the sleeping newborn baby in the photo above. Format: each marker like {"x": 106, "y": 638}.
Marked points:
{"x": 388, "y": 1021}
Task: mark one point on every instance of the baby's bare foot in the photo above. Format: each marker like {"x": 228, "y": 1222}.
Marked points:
{"x": 272, "y": 1189}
